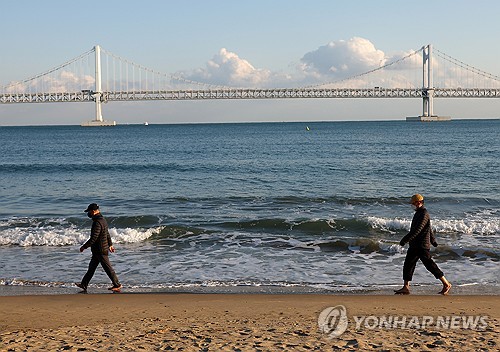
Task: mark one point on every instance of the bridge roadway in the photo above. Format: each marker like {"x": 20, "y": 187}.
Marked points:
{"x": 282, "y": 93}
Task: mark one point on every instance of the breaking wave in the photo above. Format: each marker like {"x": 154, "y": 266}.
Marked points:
{"x": 473, "y": 225}
{"x": 60, "y": 232}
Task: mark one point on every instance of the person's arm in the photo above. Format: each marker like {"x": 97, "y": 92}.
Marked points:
{"x": 94, "y": 235}
{"x": 110, "y": 243}
{"x": 414, "y": 231}
{"x": 433, "y": 238}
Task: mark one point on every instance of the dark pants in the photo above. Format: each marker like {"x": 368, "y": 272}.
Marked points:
{"x": 106, "y": 265}
{"x": 412, "y": 256}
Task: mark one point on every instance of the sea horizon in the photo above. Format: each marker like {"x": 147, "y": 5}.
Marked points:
{"x": 141, "y": 123}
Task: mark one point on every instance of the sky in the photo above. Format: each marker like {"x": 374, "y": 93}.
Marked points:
{"x": 258, "y": 43}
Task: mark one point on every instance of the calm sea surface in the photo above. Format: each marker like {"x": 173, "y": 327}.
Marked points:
{"x": 235, "y": 207}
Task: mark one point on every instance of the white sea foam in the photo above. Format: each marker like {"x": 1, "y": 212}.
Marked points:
{"x": 470, "y": 225}
{"x": 393, "y": 248}
{"x": 68, "y": 235}
{"x": 129, "y": 235}
{"x": 44, "y": 236}
{"x": 389, "y": 225}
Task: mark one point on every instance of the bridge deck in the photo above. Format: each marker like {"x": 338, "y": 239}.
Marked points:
{"x": 285, "y": 93}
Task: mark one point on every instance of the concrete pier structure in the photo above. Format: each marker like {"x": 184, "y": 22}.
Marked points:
{"x": 428, "y": 118}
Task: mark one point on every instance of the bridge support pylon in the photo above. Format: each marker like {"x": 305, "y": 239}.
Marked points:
{"x": 97, "y": 95}
{"x": 427, "y": 90}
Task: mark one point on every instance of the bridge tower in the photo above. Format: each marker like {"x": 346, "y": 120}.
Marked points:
{"x": 97, "y": 94}
{"x": 427, "y": 90}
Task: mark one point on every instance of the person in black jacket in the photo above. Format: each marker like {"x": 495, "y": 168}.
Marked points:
{"x": 100, "y": 244}
{"x": 420, "y": 239}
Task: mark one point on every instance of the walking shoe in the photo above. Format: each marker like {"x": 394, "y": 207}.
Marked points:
{"x": 77, "y": 284}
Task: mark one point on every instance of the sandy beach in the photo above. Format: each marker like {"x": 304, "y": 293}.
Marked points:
{"x": 237, "y": 322}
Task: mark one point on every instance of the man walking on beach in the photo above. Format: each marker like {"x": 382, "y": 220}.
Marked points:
{"x": 420, "y": 239}
{"x": 100, "y": 243}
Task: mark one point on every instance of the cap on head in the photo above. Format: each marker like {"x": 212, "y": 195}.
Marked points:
{"x": 416, "y": 198}
{"x": 92, "y": 206}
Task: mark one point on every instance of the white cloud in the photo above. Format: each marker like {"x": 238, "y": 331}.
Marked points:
{"x": 342, "y": 59}
{"x": 226, "y": 68}
{"x": 332, "y": 62}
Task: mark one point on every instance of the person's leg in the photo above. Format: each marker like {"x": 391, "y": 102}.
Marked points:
{"x": 405, "y": 290}
{"x": 425, "y": 257}
{"x": 408, "y": 270}
{"x": 446, "y": 286}
{"x": 410, "y": 264}
{"x": 106, "y": 265}
{"x": 94, "y": 262}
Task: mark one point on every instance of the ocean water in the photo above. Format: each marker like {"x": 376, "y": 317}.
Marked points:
{"x": 269, "y": 207}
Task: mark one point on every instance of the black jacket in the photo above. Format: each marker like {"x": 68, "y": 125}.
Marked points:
{"x": 420, "y": 235}
{"x": 99, "y": 240}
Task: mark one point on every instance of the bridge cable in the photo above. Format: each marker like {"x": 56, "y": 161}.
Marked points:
{"x": 157, "y": 73}
{"x": 466, "y": 66}
{"x": 367, "y": 72}
{"x": 49, "y": 71}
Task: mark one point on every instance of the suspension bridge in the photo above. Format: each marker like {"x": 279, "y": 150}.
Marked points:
{"x": 100, "y": 76}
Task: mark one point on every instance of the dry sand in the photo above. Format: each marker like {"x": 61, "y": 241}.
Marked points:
{"x": 234, "y": 322}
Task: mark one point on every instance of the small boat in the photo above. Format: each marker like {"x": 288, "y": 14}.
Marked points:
{"x": 146, "y": 123}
